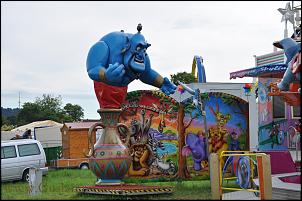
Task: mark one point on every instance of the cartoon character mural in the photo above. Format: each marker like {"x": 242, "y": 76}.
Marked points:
{"x": 196, "y": 145}
{"x": 218, "y": 133}
{"x": 117, "y": 59}
{"x": 234, "y": 144}
{"x": 272, "y": 132}
{"x": 153, "y": 150}
{"x": 230, "y": 116}
{"x": 158, "y": 155}
{"x": 276, "y": 136}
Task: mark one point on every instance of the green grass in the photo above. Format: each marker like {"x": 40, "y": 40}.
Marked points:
{"x": 59, "y": 184}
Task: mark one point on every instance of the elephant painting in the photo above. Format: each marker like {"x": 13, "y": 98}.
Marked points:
{"x": 195, "y": 145}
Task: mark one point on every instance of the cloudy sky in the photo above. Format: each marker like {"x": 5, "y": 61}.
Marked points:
{"x": 44, "y": 45}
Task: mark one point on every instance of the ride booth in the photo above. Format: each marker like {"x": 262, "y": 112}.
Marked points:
{"x": 279, "y": 122}
{"x": 172, "y": 138}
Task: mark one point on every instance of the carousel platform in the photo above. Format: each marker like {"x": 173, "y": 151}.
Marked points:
{"x": 124, "y": 189}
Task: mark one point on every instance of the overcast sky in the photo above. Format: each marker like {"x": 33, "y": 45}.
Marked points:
{"x": 44, "y": 45}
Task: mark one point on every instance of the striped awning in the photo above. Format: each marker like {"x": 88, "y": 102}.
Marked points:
{"x": 271, "y": 70}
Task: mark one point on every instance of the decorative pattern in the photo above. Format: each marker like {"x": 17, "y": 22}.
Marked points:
{"x": 124, "y": 189}
{"x": 107, "y": 169}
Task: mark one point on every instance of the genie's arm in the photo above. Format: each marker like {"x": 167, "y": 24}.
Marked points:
{"x": 96, "y": 61}
{"x": 150, "y": 76}
{"x": 153, "y": 78}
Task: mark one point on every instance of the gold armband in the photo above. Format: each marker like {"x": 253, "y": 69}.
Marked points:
{"x": 158, "y": 82}
{"x": 102, "y": 75}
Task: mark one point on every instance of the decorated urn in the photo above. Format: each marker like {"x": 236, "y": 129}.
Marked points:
{"x": 109, "y": 157}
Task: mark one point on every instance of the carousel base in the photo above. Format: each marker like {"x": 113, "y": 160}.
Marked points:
{"x": 124, "y": 189}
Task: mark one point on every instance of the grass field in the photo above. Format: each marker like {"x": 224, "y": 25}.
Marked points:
{"x": 59, "y": 184}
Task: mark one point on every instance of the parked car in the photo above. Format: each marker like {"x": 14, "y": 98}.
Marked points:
{"x": 18, "y": 156}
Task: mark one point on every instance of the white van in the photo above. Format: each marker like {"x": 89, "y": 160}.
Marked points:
{"x": 17, "y": 156}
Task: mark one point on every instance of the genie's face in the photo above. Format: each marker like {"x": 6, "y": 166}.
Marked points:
{"x": 135, "y": 57}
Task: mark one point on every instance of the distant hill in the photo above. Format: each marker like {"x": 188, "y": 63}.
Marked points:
{"x": 8, "y": 112}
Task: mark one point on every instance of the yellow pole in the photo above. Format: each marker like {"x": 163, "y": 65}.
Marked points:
{"x": 214, "y": 176}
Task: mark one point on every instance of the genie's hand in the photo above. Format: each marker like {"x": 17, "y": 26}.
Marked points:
{"x": 115, "y": 73}
{"x": 168, "y": 87}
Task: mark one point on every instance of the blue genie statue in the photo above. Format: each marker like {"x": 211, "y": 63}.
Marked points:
{"x": 118, "y": 59}
{"x": 292, "y": 51}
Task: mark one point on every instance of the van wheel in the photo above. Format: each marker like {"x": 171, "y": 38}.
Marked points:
{"x": 84, "y": 166}
{"x": 25, "y": 176}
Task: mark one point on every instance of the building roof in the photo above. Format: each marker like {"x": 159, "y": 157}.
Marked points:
{"x": 80, "y": 125}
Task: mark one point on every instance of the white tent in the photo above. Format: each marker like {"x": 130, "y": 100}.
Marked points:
{"x": 47, "y": 132}
{"x": 49, "y": 136}
{"x": 32, "y": 125}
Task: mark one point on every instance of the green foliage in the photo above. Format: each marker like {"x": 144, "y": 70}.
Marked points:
{"x": 76, "y": 112}
{"x": 133, "y": 94}
{"x": 229, "y": 99}
{"x": 5, "y": 127}
{"x": 205, "y": 96}
{"x": 183, "y": 77}
{"x": 4, "y": 120}
{"x": 30, "y": 112}
{"x": 189, "y": 108}
{"x": 8, "y": 112}
{"x": 49, "y": 108}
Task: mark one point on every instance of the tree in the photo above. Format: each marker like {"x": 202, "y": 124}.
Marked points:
{"x": 49, "y": 108}
{"x": 74, "y": 111}
{"x": 184, "y": 77}
{"x": 30, "y": 112}
{"x": 5, "y": 124}
{"x": 4, "y": 120}
{"x": 183, "y": 108}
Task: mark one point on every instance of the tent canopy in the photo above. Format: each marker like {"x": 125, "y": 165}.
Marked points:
{"x": 32, "y": 125}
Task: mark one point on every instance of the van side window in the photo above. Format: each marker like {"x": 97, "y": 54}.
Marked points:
{"x": 8, "y": 152}
{"x": 28, "y": 149}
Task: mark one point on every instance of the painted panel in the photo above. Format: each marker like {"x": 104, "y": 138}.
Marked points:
{"x": 272, "y": 133}
{"x": 161, "y": 146}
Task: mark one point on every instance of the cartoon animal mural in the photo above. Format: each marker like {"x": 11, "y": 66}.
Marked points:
{"x": 148, "y": 139}
{"x": 228, "y": 129}
{"x": 196, "y": 145}
{"x": 139, "y": 149}
{"x": 158, "y": 155}
{"x": 144, "y": 150}
{"x": 218, "y": 133}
